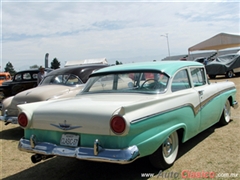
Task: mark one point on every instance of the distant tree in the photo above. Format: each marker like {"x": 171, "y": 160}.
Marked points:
{"x": 34, "y": 67}
{"x": 55, "y": 64}
{"x": 9, "y": 68}
{"x": 118, "y": 63}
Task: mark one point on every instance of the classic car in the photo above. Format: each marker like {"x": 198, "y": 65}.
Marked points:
{"x": 228, "y": 65}
{"x": 126, "y": 112}
{"x": 21, "y": 81}
{"x": 60, "y": 83}
{"x": 4, "y": 76}
{"x": 202, "y": 60}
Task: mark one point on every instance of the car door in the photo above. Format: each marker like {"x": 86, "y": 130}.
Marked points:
{"x": 209, "y": 108}
{"x": 186, "y": 96}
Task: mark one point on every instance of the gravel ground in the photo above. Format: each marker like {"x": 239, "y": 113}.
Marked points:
{"x": 214, "y": 152}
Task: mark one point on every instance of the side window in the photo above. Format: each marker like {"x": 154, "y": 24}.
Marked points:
{"x": 18, "y": 77}
{"x": 180, "y": 81}
{"x": 26, "y": 76}
{"x": 59, "y": 79}
{"x": 198, "y": 76}
{"x": 35, "y": 76}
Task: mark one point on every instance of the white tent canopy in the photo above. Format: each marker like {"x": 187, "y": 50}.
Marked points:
{"x": 86, "y": 61}
{"x": 217, "y": 42}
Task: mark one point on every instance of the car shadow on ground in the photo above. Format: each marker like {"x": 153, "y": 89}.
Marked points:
{"x": 187, "y": 146}
{"x": 12, "y": 134}
{"x": 62, "y": 168}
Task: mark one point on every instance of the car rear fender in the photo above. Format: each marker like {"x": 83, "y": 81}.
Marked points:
{"x": 151, "y": 144}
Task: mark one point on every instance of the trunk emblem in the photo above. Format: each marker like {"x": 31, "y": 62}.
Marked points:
{"x": 65, "y": 126}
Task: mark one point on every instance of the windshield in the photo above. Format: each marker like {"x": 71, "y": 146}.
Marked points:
{"x": 2, "y": 77}
{"x": 62, "y": 79}
{"x": 130, "y": 82}
{"x": 226, "y": 58}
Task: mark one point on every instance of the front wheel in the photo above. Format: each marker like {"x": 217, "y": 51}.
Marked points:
{"x": 226, "y": 114}
{"x": 166, "y": 155}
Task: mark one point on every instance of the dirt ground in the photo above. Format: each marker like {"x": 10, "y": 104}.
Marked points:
{"x": 214, "y": 152}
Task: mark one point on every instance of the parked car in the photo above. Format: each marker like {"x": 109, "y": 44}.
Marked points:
{"x": 202, "y": 60}
{"x": 21, "y": 81}
{"x": 4, "y": 76}
{"x": 60, "y": 83}
{"x": 126, "y": 112}
{"x": 227, "y": 65}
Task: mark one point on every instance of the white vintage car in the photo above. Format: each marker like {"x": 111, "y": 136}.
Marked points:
{"x": 60, "y": 83}
{"x": 126, "y": 112}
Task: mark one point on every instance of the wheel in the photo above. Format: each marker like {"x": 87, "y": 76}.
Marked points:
{"x": 166, "y": 155}
{"x": 229, "y": 74}
{"x": 226, "y": 114}
{"x": 152, "y": 86}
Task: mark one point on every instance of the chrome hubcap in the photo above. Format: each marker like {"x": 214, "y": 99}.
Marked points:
{"x": 167, "y": 147}
{"x": 227, "y": 111}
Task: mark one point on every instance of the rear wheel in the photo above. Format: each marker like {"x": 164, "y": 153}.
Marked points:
{"x": 226, "y": 114}
{"x": 229, "y": 74}
{"x": 166, "y": 155}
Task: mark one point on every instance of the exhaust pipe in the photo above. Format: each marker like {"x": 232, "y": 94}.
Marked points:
{"x": 38, "y": 157}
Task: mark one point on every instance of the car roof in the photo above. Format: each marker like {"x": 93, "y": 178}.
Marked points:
{"x": 4, "y": 73}
{"x": 168, "y": 67}
{"x": 82, "y": 71}
{"x": 28, "y": 70}
{"x": 70, "y": 69}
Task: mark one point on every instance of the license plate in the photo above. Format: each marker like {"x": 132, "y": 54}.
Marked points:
{"x": 69, "y": 140}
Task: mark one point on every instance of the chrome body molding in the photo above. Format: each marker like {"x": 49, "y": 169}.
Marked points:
{"x": 194, "y": 109}
{"x": 97, "y": 153}
{"x": 8, "y": 119}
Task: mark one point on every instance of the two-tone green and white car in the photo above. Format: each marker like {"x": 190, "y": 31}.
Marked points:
{"x": 128, "y": 111}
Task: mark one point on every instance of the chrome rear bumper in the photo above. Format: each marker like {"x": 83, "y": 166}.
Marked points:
{"x": 97, "y": 153}
{"x": 8, "y": 119}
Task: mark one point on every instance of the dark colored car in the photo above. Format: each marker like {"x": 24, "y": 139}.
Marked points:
{"x": 21, "y": 81}
{"x": 58, "y": 84}
{"x": 227, "y": 65}
{"x": 202, "y": 60}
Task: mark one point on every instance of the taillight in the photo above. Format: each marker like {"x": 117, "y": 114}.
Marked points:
{"x": 22, "y": 119}
{"x": 118, "y": 124}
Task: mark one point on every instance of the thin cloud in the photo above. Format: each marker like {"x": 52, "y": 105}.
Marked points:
{"x": 123, "y": 31}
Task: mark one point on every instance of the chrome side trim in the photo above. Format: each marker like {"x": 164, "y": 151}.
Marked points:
{"x": 119, "y": 156}
{"x": 194, "y": 109}
{"x": 8, "y": 119}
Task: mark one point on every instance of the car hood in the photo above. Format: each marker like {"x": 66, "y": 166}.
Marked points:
{"x": 90, "y": 113}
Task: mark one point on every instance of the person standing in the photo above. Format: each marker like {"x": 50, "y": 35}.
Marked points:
{"x": 41, "y": 74}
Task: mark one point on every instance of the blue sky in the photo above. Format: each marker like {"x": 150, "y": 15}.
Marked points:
{"x": 127, "y": 31}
